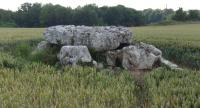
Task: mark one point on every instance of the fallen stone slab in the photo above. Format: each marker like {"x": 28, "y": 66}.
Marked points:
{"x": 135, "y": 57}
{"x": 170, "y": 64}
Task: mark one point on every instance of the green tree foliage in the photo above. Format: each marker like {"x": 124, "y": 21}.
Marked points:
{"x": 37, "y": 15}
{"x": 152, "y": 16}
{"x": 120, "y": 15}
{"x": 157, "y": 15}
{"x": 63, "y": 15}
{"x": 87, "y": 15}
{"x": 28, "y": 15}
{"x": 47, "y": 16}
{"x": 90, "y": 15}
{"x": 168, "y": 13}
{"x": 191, "y": 15}
{"x": 194, "y": 15}
{"x": 6, "y": 18}
{"x": 180, "y": 15}
{"x": 55, "y": 15}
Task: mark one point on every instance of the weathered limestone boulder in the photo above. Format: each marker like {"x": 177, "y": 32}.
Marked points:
{"x": 114, "y": 58}
{"x": 43, "y": 45}
{"x": 102, "y": 38}
{"x": 169, "y": 64}
{"x": 72, "y": 55}
{"x": 135, "y": 57}
{"x": 151, "y": 48}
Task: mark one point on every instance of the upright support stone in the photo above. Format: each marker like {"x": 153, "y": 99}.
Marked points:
{"x": 72, "y": 55}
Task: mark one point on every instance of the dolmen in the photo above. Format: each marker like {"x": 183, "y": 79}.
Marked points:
{"x": 84, "y": 44}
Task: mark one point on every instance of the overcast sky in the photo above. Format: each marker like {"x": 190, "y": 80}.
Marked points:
{"x": 136, "y": 4}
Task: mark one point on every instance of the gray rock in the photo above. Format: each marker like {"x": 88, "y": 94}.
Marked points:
{"x": 43, "y": 45}
{"x": 98, "y": 38}
{"x": 151, "y": 48}
{"x": 169, "y": 64}
{"x": 72, "y": 55}
{"x": 1, "y": 48}
{"x": 100, "y": 66}
{"x": 59, "y": 35}
{"x": 136, "y": 57}
{"x": 112, "y": 57}
{"x": 94, "y": 63}
{"x": 133, "y": 57}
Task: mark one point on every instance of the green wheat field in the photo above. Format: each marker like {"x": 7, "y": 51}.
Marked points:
{"x": 33, "y": 81}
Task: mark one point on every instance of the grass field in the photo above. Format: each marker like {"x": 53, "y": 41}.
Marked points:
{"x": 179, "y": 43}
{"x": 16, "y": 34}
{"x": 26, "y": 82}
{"x": 178, "y": 35}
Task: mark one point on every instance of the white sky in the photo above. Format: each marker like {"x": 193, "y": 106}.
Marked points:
{"x": 136, "y": 4}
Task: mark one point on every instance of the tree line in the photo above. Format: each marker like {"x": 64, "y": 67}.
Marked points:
{"x": 38, "y": 15}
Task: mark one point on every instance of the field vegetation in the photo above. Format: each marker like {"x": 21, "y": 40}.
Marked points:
{"x": 179, "y": 43}
{"x": 27, "y": 80}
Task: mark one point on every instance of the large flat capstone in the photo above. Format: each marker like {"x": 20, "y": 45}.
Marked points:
{"x": 101, "y": 38}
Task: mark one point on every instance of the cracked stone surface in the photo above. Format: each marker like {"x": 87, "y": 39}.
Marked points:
{"x": 99, "y": 38}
